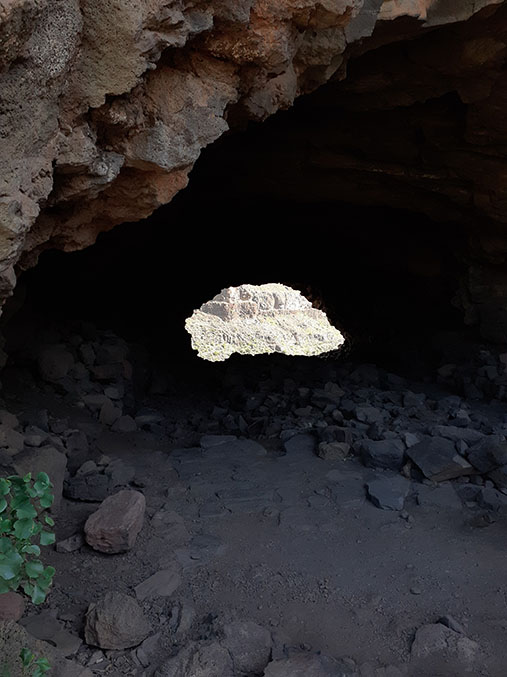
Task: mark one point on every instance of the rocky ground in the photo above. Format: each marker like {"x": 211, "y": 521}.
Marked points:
{"x": 273, "y": 517}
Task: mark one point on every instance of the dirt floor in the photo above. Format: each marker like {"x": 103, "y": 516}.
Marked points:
{"x": 347, "y": 557}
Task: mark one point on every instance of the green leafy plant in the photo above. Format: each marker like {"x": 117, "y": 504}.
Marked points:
{"x": 23, "y": 529}
{"x": 35, "y": 667}
{"x": 39, "y": 666}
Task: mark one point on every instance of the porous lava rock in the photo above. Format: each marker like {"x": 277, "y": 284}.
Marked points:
{"x": 255, "y": 319}
{"x": 105, "y": 107}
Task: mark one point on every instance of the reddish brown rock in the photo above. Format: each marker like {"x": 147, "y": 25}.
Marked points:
{"x": 116, "y": 622}
{"x": 114, "y": 527}
{"x": 12, "y": 606}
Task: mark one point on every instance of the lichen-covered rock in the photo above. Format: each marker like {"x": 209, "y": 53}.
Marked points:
{"x": 268, "y": 318}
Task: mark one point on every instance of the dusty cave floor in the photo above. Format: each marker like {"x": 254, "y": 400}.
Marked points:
{"x": 257, "y": 527}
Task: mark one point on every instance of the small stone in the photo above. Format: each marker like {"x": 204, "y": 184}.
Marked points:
{"x": 198, "y": 659}
{"x": 109, "y": 414}
{"x": 370, "y": 414}
{"x": 11, "y": 440}
{"x": 71, "y": 544}
{"x": 249, "y": 645}
{"x": 307, "y": 665}
{"x": 438, "y": 641}
{"x": 125, "y": 424}
{"x": 303, "y": 444}
{"x": 116, "y": 622}
{"x": 415, "y": 590}
{"x": 55, "y": 361}
{"x": 114, "y": 527}
{"x": 12, "y": 606}
{"x": 162, "y": 584}
{"x": 87, "y": 467}
{"x": 333, "y": 451}
{"x": 452, "y": 623}
{"x": 388, "y": 493}
{"x": 386, "y": 454}
{"x": 489, "y": 453}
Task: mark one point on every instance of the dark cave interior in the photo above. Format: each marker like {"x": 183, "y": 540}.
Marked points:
{"x": 386, "y": 277}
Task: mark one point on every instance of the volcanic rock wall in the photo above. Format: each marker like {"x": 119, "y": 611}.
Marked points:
{"x": 106, "y": 105}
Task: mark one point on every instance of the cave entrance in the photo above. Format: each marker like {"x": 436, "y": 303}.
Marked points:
{"x": 386, "y": 278}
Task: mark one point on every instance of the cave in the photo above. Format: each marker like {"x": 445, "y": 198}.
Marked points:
{"x": 267, "y": 515}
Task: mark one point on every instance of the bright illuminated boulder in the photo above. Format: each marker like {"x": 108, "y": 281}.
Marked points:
{"x": 256, "y": 319}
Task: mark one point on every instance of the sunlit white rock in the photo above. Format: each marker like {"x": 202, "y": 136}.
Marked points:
{"x": 256, "y": 319}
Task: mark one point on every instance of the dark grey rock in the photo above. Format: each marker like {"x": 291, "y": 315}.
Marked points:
{"x": 55, "y": 361}
{"x": 199, "y": 659}
{"x": 489, "y": 453}
{"x": 333, "y": 451}
{"x": 388, "y": 492}
{"x": 71, "y": 544}
{"x": 309, "y": 665}
{"x": 438, "y": 460}
{"x": 456, "y": 434}
{"x": 301, "y": 444}
{"x": 249, "y": 645}
{"x": 162, "y": 584}
{"x": 388, "y": 454}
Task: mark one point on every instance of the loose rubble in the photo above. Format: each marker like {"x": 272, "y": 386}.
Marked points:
{"x": 265, "y": 530}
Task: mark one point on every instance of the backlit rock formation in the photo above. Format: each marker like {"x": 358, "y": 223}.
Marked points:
{"x": 256, "y": 319}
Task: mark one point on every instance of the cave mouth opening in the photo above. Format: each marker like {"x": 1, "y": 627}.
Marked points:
{"x": 385, "y": 277}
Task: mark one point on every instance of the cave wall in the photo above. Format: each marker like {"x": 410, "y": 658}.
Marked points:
{"x": 105, "y": 106}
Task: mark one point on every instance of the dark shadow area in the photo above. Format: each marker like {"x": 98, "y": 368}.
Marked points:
{"x": 386, "y": 278}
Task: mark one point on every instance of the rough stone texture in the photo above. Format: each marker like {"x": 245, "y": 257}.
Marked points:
{"x": 438, "y": 460}
{"x": 306, "y": 665}
{"x": 106, "y": 106}
{"x": 268, "y": 318}
{"x": 116, "y": 622}
{"x": 13, "y": 638}
{"x": 200, "y": 659}
{"x": 12, "y": 606}
{"x": 114, "y": 527}
{"x": 436, "y": 644}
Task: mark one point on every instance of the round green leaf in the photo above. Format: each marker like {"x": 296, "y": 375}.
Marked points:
{"x": 27, "y": 478}
{"x": 3, "y": 504}
{"x": 26, "y": 511}
{"x": 49, "y": 520}
{"x": 5, "y": 526}
{"x": 10, "y": 565}
{"x": 38, "y": 595}
{"x": 26, "y": 657}
{"x": 5, "y": 486}
{"x": 47, "y": 499}
{"x": 23, "y": 529}
{"x": 43, "y": 478}
{"x": 47, "y": 538}
{"x": 34, "y": 568}
{"x": 31, "y": 550}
